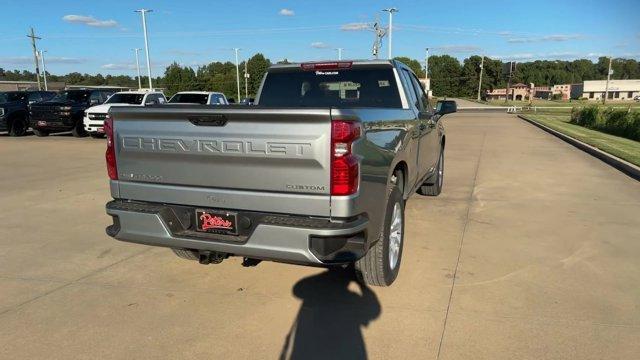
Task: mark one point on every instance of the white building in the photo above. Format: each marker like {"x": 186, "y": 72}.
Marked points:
{"x": 618, "y": 89}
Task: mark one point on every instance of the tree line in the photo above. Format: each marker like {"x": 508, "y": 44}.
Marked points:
{"x": 449, "y": 76}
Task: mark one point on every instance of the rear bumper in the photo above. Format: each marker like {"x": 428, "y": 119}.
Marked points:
{"x": 294, "y": 239}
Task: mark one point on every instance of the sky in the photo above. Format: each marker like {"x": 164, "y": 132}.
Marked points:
{"x": 99, "y": 36}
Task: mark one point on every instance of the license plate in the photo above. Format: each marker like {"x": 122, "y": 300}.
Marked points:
{"x": 217, "y": 222}
{"x": 42, "y": 123}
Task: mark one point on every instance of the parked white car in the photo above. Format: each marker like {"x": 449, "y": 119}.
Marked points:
{"x": 94, "y": 116}
{"x": 199, "y": 97}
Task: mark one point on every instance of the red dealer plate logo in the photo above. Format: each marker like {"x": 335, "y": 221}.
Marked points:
{"x": 217, "y": 222}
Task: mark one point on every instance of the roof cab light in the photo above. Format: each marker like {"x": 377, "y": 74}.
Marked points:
{"x": 331, "y": 65}
{"x": 344, "y": 164}
{"x": 110, "y": 154}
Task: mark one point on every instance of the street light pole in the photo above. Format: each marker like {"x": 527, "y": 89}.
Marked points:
{"x": 146, "y": 42}
{"x": 480, "y": 81}
{"x": 138, "y": 68}
{"x": 44, "y": 69}
{"x": 237, "y": 73}
{"x": 390, "y": 11}
{"x": 246, "y": 79}
{"x": 606, "y": 89}
{"x": 339, "y": 53}
{"x": 426, "y": 64}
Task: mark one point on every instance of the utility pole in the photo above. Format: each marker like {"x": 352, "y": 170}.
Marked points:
{"x": 138, "y": 68}
{"x": 35, "y": 55}
{"x": 44, "y": 69}
{"x": 480, "y": 81}
{"x": 146, "y": 42}
{"x": 606, "y": 89}
{"x": 237, "y": 73}
{"x": 246, "y": 79}
{"x": 390, "y": 11}
{"x": 339, "y": 50}
{"x": 426, "y": 64}
{"x": 511, "y": 68}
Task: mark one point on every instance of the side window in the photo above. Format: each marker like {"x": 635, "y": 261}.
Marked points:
{"x": 423, "y": 100}
{"x": 34, "y": 97}
{"x": 411, "y": 93}
{"x": 161, "y": 99}
{"x": 95, "y": 96}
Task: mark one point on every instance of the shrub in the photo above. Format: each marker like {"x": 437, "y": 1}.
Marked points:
{"x": 617, "y": 122}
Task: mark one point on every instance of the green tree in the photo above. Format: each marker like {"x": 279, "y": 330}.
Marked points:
{"x": 445, "y": 74}
{"x": 414, "y": 65}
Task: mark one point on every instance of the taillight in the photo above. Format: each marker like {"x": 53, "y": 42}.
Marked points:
{"x": 344, "y": 164}
{"x": 110, "y": 154}
{"x": 331, "y": 65}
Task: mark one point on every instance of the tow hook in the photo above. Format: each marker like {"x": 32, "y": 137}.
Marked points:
{"x": 211, "y": 257}
{"x": 249, "y": 262}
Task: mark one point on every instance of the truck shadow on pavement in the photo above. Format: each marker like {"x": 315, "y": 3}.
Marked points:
{"x": 328, "y": 325}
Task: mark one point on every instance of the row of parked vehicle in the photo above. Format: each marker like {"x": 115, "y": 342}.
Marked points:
{"x": 83, "y": 111}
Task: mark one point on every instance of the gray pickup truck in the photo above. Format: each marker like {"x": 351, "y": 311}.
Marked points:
{"x": 317, "y": 173}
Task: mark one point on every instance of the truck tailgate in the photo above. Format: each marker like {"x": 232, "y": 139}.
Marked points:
{"x": 226, "y": 148}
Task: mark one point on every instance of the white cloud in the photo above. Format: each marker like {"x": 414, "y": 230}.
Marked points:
{"x": 28, "y": 60}
{"x": 118, "y": 66}
{"x": 458, "y": 48}
{"x": 319, "y": 45}
{"x": 355, "y": 26}
{"x": 286, "y": 12}
{"x": 89, "y": 21}
{"x": 554, "y": 37}
{"x": 524, "y": 56}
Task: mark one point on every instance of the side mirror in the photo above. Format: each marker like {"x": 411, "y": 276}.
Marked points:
{"x": 446, "y": 107}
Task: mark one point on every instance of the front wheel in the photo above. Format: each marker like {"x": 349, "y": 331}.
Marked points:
{"x": 40, "y": 133}
{"x": 381, "y": 264}
{"x": 18, "y": 127}
{"x": 78, "y": 130}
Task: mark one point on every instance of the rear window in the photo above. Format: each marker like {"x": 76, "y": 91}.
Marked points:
{"x": 336, "y": 88}
{"x": 190, "y": 98}
{"x": 126, "y": 98}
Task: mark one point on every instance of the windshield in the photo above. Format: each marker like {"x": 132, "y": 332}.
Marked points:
{"x": 11, "y": 96}
{"x": 72, "y": 95}
{"x": 353, "y": 88}
{"x": 124, "y": 98}
{"x": 190, "y": 98}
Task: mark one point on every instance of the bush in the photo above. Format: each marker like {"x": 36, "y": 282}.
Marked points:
{"x": 617, "y": 122}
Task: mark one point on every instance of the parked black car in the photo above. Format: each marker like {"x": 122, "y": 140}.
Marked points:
{"x": 14, "y": 109}
{"x": 65, "y": 111}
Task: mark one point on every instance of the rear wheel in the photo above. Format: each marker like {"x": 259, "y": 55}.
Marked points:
{"x": 433, "y": 186}
{"x": 78, "y": 130}
{"x": 381, "y": 264}
{"x": 186, "y": 254}
{"x": 41, "y": 133}
{"x": 18, "y": 127}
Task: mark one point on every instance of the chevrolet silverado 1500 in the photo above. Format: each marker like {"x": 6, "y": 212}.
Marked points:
{"x": 317, "y": 173}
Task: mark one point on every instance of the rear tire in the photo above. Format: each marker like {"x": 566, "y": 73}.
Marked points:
{"x": 186, "y": 254}
{"x": 433, "y": 186}
{"x": 18, "y": 127}
{"x": 381, "y": 264}
{"x": 41, "y": 133}
{"x": 78, "y": 130}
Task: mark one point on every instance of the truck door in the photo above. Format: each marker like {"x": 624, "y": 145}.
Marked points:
{"x": 428, "y": 153}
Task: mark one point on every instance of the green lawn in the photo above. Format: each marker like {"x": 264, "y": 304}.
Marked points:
{"x": 626, "y": 149}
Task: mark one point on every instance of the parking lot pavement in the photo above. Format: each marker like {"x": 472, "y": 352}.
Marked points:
{"x": 531, "y": 252}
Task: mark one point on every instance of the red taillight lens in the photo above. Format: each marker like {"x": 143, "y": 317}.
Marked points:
{"x": 344, "y": 164}
{"x": 110, "y": 154}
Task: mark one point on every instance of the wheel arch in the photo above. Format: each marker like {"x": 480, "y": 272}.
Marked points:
{"x": 402, "y": 167}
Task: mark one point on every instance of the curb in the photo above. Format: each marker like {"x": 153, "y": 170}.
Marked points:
{"x": 622, "y": 165}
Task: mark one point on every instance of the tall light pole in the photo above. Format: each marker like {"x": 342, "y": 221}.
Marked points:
{"x": 339, "y": 50}
{"x": 44, "y": 69}
{"x": 606, "y": 89}
{"x": 35, "y": 55}
{"x": 426, "y": 64}
{"x": 246, "y": 79}
{"x": 390, "y": 11}
{"x": 480, "y": 81}
{"x": 138, "y": 68}
{"x": 146, "y": 42}
{"x": 237, "y": 73}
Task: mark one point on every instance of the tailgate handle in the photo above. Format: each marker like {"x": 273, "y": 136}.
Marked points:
{"x": 208, "y": 120}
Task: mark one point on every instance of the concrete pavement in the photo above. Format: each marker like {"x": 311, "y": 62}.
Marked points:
{"x": 531, "y": 252}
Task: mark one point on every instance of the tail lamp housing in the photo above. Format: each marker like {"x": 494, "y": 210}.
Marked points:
{"x": 345, "y": 168}
{"x": 110, "y": 154}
